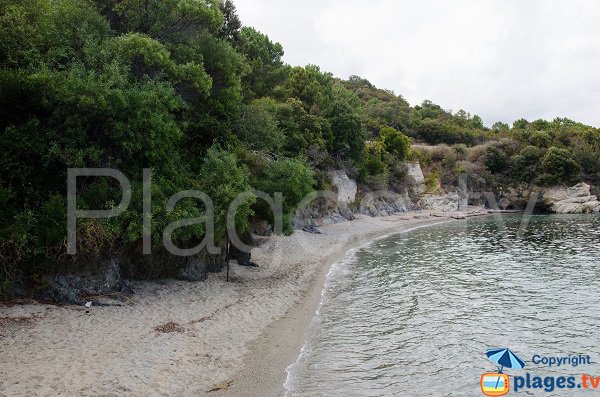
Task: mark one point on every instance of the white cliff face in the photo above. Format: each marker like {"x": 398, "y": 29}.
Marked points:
{"x": 415, "y": 171}
{"x": 573, "y": 200}
{"x": 344, "y": 187}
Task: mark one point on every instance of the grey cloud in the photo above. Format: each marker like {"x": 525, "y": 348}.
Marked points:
{"x": 500, "y": 59}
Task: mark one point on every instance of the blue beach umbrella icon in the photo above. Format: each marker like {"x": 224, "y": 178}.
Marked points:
{"x": 504, "y": 358}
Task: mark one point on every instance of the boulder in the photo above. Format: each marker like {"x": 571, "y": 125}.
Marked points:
{"x": 570, "y": 200}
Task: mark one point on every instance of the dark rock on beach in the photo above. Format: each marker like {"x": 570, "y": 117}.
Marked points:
{"x": 105, "y": 281}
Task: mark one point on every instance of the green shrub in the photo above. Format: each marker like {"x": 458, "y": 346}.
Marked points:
{"x": 560, "y": 166}
{"x": 257, "y": 126}
{"x": 224, "y": 180}
{"x": 291, "y": 177}
{"x": 432, "y": 180}
{"x": 6, "y": 289}
{"x": 395, "y": 142}
{"x": 540, "y": 139}
{"x": 496, "y": 159}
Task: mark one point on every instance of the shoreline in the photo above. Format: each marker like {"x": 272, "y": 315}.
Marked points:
{"x": 265, "y": 369}
{"x": 233, "y": 339}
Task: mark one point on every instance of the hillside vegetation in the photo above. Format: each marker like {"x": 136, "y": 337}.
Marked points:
{"x": 180, "y": 86}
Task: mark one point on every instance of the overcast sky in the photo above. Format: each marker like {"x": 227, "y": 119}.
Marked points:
{"x": 502, "y": 59}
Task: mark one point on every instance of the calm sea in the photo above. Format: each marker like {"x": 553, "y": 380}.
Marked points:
{"x": 413, "y": 314}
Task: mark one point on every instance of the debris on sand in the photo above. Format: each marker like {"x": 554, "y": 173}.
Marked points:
{"x": 169, "y": 327}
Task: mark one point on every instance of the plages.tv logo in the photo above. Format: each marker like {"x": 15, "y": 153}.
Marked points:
{"x": 498, "y": 383}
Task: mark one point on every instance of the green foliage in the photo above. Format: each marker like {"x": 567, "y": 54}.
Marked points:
{"x": 496, "y": 159}
{"x": 499, "y": 126}
{"x": 559, "y": 165}
{"x": 264, "y": 58}
{"x": 348, "y": 133}
{"x": 395, "y": 143}
{"x": 165, "y": 20}
{"x": 520, "y": 124}
{"x": 258, "y": 128}
{"x": 291, "y": 177}
{"x": 302, "y": 129}
{"x": 587, "y": 154}
{"x": 181, "y": 87}
{"x": 311, "y": 86}
{"x": 373, "y": 170}
{"x": 540, "y": 139}
{"x": 435, "y": 132}
{"x": 222, "y": 179}
{"x": 432, "y": 180}
{"x": 232, "y": 25}
{"x": 465, "y": 120}
{"x": 526, "y": 164}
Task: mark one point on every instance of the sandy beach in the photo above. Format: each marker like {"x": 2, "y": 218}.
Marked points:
{"x": 222, "y": 339}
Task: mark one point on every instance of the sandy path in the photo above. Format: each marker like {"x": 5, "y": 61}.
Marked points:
{"x": 243, "y": 333}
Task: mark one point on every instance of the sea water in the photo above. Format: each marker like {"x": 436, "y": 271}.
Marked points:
{"x": 413, "y": 314}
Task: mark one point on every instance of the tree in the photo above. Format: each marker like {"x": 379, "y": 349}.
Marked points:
{"x": 496, "y": 159}
{"x": 264, "y": 58}
{"x": 302, "y": 129}
{"x": 499, "y": 126}
{"x": 312, "y": 87}
{"x": 173, "y": 21}
{"x": 520, "y": 124}
{"x": 560, "y": 165}
{"x": 540, "y": 139}
{"x": 232, "y": 25}
{"x": 258, "y": 127}
{"x": 223, "y": 180}
{"x": 435, "y": 132}
{"x": 476, "y": 122}
{"x": 540, "y": 124}
{"x": 348, "y": 132}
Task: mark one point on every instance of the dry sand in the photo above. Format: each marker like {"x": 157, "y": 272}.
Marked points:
{"x": 236, "y": 337}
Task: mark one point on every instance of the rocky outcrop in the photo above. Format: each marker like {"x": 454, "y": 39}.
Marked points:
{"x": 241, "y": 254}
{"x": 261, "y": 228}
{"x": 193, "y": 269}
{"x": 456, "y": 201}
{"x": 322, "y": 212}
{"x": 329, "y": 210}
{"x": 415, "y": 172}
{"x": 558, "y": 199}
{"x": 344, "y": 187}
{"x": 512, "y": 198}
{"x": 573, "y": 200}
{"x": 385, "y": 204}
{"x": 105, "y": 282}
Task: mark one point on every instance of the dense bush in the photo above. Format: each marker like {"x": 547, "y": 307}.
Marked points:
{"x": 395, "y": 143}
{"x": 559, "y": 165}
{"x": 291, "y": 177}
{"x": 496, "y": 159}
{"x": 181, "y": 87}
